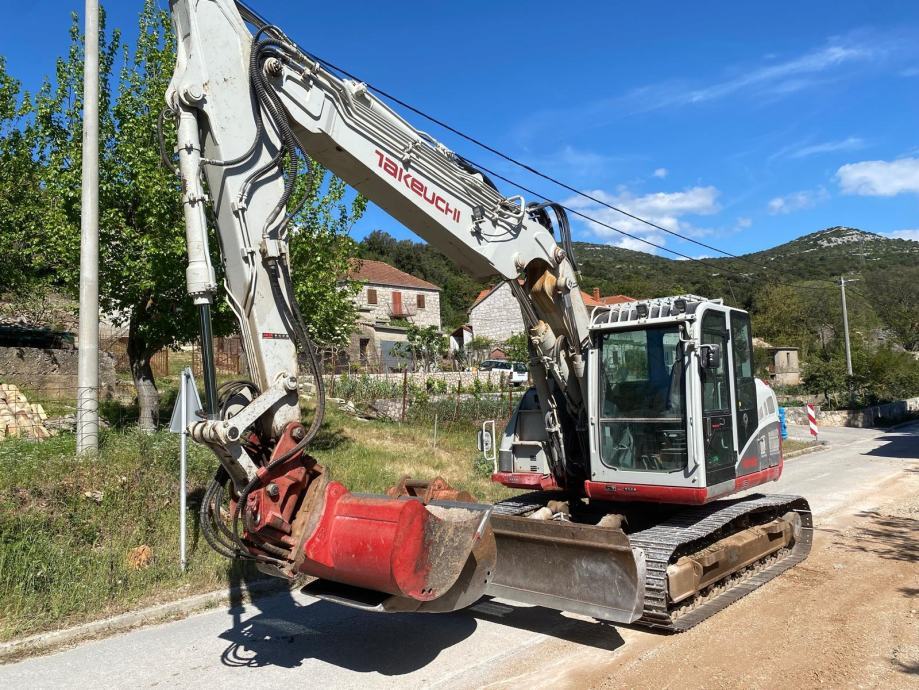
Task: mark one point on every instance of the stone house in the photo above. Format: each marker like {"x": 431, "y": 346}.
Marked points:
{"x": 387, "y": 300}
{"x": 495, "y": 313}
{"x": 784, "y": 366}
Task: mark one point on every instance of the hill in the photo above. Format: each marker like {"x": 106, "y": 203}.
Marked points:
{"x": 887, "y": 271}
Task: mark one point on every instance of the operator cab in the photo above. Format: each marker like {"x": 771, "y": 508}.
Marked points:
{"x": 676, "y": 414}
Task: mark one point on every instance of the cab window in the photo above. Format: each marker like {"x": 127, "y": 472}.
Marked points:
{"x": 642, "y": 400}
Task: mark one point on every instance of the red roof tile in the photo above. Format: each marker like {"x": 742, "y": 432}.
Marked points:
{"x": 617, "y": 299}
{"x": 380, "y": 273}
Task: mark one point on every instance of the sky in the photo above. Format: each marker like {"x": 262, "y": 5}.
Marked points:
{"x": 740, "y": 125}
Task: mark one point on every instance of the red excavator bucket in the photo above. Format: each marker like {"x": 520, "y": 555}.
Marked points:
{"x": 395, "y": 554}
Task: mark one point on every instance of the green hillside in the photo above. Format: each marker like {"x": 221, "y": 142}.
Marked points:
{"x": 883, "y": 300}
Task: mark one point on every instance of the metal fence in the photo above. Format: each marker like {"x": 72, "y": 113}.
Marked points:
{"x": 39, "y": 407}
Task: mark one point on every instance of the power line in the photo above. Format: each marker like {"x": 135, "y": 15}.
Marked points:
{"x": 510, "y": 159}
{"x": 256, "y": 19}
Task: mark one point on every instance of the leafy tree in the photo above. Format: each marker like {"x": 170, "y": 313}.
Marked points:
{"x": 479, "y": 348}
{"x": 320, "y": 250}
{"x": 20, "y": 189}
{"x": 892, "y": 375}
{"x": 897, "y": 297}
{"x": 825, "y": 374}
{"x": 425, "y": 346}
{"x": 517, "y": 348}
{"x": 783, "y": 318}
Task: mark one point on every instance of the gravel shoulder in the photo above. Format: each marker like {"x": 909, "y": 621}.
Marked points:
{"x": 847, "y": 617}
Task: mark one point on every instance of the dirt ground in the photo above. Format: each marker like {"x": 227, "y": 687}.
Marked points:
{"x": 848, "y": 617}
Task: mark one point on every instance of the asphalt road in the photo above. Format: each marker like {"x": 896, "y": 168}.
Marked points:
{"x": 293, "y": 640}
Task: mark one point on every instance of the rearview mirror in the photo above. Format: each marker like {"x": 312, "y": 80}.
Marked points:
{"x": 711, "y": 356}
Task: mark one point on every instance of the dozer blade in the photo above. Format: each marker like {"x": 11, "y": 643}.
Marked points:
{"x": 397, "y": 554}
{"x": 568, "y": 566}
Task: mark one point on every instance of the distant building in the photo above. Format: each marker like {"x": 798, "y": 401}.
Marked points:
{"x": 784, "y": 366}
{"x": 390, "y": 294}
{"x": 461, "y": 337}
{"x": 388, "y": 298}
{"x": 495, "y": 314}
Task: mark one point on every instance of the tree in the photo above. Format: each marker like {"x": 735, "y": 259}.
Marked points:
{"x": 425, "y": 346}
{"x": 826, "y": 375}
{"x": 517, "y": 348}
{"x": 320, "y": 250}
{"x": 479, "y": 348}
{"x": 896, "y": 295}
{"x": 782, "y": 318}
{"x": 20, "y": 189}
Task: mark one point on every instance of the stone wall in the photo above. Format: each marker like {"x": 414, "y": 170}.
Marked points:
{"x": 877, "y": 415}
{"x": 428, "y": 316}
{"x": 52, "y": 373}
{"x": 497, "y": 317}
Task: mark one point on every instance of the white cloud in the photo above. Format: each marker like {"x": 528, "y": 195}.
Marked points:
{"x": 743, "y": 223}
{"x": 666, "y": 209}
{"x": 776, "y": 78}
{"x": 912, "y": 234}
{"x": 661, "y": 173}
{"x": 840, "y": 59}
{"x": 804, "y": 149}
{"x": 880, "y": 178}
{"x": 797, "y": 201}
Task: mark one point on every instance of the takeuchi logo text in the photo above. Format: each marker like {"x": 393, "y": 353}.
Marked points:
{"x": 423, "y": 190}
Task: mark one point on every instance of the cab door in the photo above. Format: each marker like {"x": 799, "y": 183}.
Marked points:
{"x": 744, "y": 382}
{"x": 717, "y": 417}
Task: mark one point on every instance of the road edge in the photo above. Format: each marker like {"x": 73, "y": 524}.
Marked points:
{"x": 54, "y": 640}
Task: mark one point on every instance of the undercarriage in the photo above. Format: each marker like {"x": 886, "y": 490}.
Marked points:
{"x": 689, "y": 563}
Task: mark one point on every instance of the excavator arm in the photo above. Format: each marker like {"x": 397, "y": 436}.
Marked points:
{"x": 245, "y": 104}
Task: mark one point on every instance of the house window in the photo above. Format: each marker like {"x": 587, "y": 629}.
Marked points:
{"x": 420, "y": 301}
{"x": 371, "y": 296}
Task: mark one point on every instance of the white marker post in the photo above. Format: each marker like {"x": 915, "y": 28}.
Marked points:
{"x": 187, "y": 406}
{"x": 183, "y": 467}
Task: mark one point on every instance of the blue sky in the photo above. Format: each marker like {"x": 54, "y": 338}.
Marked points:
{"x": 740, "y": 125}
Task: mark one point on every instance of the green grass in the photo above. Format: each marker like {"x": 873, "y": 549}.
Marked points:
{"x": 372, "y": 456}
{"x": 64, "y": 554}
{"x": 790, "y": 445}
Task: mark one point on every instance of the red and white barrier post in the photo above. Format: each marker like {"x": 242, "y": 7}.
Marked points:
{"x": 812, "y": 420}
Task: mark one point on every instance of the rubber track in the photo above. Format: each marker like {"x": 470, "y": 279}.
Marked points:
{"x": 677, "y": 535}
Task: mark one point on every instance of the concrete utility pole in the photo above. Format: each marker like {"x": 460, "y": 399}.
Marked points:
{"x": 88, "y": 370}
{"x": 845, "y": 324}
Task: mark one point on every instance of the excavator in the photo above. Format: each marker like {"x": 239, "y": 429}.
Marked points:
{"x": 634, "y": 450}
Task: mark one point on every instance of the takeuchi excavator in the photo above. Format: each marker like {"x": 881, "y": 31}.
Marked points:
{"x": 643, "y": 423}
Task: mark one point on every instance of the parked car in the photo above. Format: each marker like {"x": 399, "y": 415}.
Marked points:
{"x": 517, "y": 371}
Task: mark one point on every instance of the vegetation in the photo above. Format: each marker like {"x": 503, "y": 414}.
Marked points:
{"x": 517, "y": 348}
{"x": 878, "y": 376}
{"x": 424, "y": 347}
{"x": 71, "y": 531}
{"x": 792, "y": 445}
{"x": 19, "y": 184}
{"x": 142, "y": 232}
{"x": 788, "y": 290}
